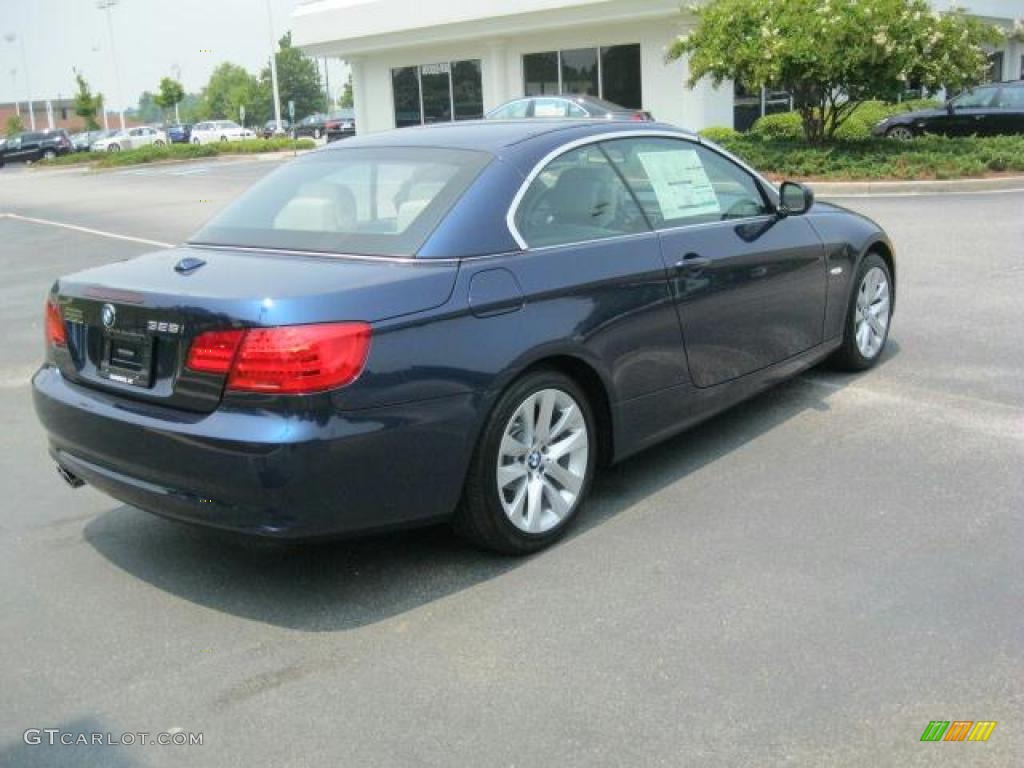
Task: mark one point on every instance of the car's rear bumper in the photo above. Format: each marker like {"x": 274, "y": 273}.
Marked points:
{"x": 261, "y": 472}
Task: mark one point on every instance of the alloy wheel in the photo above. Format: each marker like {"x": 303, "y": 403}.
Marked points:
{"x": 542, "y": 461}
{"x": 901, "y": 133}
{"x": 871, "y": 316}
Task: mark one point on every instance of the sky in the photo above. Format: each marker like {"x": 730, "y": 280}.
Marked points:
{"x": 151, "y": 39}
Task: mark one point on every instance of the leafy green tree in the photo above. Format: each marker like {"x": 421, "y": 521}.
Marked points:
{"x": 14, "y": 125}
{"x": 87, "y": 104}
{"x": 171, "y": 93}
{"x": 229, "y": 88}
{"x": 298, "y": 80}
{"x": 833, "y": 55}
{"x": 346, "y": 94}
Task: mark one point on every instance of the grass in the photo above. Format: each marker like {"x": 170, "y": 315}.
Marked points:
{"x": 928, "y": 157}
{"x": 153, "y": 154}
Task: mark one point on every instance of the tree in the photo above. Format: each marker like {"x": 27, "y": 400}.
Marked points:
{"x": 346, "y": 93}
{"x": 171, "y": 92}
{"x": 14, "y": 125}
{"x": 833, "y": 55}
{"x": 298, "y": 80}
{"x": 86, "y": 104}
{"x": 230, "y": 87}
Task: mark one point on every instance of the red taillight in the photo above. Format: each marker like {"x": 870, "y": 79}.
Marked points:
{"x": 212, "y": 352}
{"x": 639, "y": 116}
{"x": 56, "y": 335}
{"x": 295, "y": 359}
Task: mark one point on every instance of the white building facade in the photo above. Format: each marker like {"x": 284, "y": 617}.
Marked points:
{"x": 423, "y": 61}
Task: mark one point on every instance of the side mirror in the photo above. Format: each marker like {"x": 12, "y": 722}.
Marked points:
{"x": 950, "y": 106}
{"x": 794, "y": 199}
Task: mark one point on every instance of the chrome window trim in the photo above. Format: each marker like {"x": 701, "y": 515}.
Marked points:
{"x": 538, "y": 168}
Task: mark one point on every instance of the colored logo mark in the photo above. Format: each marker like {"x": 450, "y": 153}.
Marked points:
{"x": 958, "y": 730}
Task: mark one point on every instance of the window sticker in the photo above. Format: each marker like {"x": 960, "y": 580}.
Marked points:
{"x": 680, "y": 183}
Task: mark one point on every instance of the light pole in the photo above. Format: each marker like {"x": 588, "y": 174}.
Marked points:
{"x": 177, "y": 76}
{"x": 273, "y": 69}
{"x": 106, "y": 5}
{"x": 14, "y": 90}
{"x": 10, "y": 37}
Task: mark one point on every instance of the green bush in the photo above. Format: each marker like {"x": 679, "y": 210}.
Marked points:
{"x": 153, "y": 153}
{"x": 928, "y": 157}
{"x": 785, "y": 126}
{"x": 718, "y": 134}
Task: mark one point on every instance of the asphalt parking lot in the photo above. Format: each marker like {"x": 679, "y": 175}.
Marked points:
{"x": 807, "y": 580}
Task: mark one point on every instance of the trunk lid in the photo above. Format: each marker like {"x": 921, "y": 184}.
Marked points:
{"x": 130, "y": 324}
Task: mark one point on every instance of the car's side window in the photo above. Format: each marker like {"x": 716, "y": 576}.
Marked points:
{"x": 680, "y": 182}
{"x": 979, "y": 98}
{"x": 550, "y": 108}
{"x": 576, "y": 110}
{"x": 1011, "y": 98}
{"x": 577, "y": 197}
{"x": 513, "y": 111}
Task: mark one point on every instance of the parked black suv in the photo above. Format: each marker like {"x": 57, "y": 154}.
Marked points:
{"x": 988, "y": 110}
{"x": 35, "y": 145}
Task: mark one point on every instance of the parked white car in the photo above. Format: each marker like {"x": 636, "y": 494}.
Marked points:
{"x": 131, "y": 138}
{"x": 219, "y": 130}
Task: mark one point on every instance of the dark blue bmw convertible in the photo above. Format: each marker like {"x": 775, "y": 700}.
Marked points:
{"x": 459, "y": 322}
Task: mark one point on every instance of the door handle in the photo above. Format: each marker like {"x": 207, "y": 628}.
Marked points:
{"x": 692, "y": 261}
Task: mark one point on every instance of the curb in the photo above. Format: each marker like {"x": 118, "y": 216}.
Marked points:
{"x": 946, "y": 187}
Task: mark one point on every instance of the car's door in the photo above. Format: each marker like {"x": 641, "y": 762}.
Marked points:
{"x": 966, "y": 115}
{"x": 1008, "y": 115}
{"x": 591, "y": 271}
{"x": 750, "y": 286}
{"x": 12, "y": 151}
{"x": 30, "y": 147}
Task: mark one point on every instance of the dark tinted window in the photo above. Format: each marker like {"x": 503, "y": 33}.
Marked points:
{"x": 620, "y": 75}
{"x": 978, "y": 98}
{"x": 406, "y": 87}
{"x": 577, "y": 197}
{"x": 467, "y": 90}
{"x": 437, "y": 98}
{"x": 579, "y": 71}
{"x": 377, "y": 202}
{"x": 540, "y": 73}
{"x": 680, "y": 182}
{"x": 512, "y": 111}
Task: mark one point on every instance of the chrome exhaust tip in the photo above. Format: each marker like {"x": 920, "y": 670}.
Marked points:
{"x": 70, "y": 477}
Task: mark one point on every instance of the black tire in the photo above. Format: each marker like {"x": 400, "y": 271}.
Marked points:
{"x": 49, "y": 154}
{"x": 158, "y": 143}
{"x": 196, "y": 141}
{"x": 316, "y": 133}
{"x": 114, "y": 148}
{"x": 480, "y": 516}
{"x": 849, "y": 356}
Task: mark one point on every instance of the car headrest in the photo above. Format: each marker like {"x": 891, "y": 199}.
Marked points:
{"x": 319, "y": 207}
{"x": 585, "y": 195}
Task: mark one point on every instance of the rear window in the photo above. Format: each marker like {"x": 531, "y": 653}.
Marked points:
{"x": 372, "y": 202}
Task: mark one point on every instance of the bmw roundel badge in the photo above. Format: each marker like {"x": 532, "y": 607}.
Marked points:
{"x": 109, "y": 315}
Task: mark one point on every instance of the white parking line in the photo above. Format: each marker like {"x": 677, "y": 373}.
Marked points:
{"x": 88, "y": 230}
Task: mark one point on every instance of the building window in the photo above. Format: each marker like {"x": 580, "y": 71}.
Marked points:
{"x": 579, "y": 72}
{"x": 995, "y": 67}
{"x": 540, "y": 73}
{"x": 467, "y": 90}
{"x": 612, "y": 73}
{"x": 620, "y": 75}
{"x": 437, "y": 93}
{"x": 405, "y": 84}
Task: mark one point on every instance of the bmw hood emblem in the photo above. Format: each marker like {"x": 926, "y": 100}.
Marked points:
{"x": 109, "y": 315}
